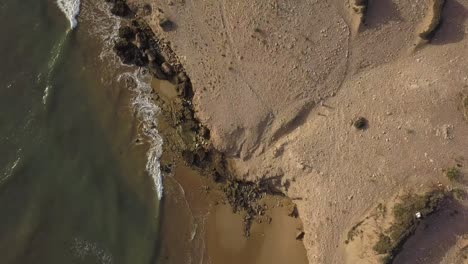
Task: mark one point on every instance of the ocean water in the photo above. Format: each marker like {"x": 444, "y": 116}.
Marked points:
{"x": 79, "y": 171}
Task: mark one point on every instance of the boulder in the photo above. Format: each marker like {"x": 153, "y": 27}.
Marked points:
{"x": 166, "y": 24}
{"x": 182, "y": 77}
{"x": 127, "y": 33}
{"x": 156, "y": 71}
{"x": 129, "y": 53}
{"x": 142, "y": 40}
{"x": 153, "y": 55}
{"x": 147, "y": 10}
{"x": 167, "y": 69}
{"x": 120, "y": 8}
{"x": 300, "y": 235}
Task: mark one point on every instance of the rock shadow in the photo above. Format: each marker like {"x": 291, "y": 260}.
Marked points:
{"x": 381, "y": 12}
{"x": 435, "y": 235}
{"x": 451, "y": 29}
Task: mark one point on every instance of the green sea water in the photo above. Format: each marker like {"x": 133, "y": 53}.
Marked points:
{"x": 73, "y": 183}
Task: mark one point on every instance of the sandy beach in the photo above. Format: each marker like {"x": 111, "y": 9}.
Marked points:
{"x": 342, "y": 106}
{"x": 200, "y": 225}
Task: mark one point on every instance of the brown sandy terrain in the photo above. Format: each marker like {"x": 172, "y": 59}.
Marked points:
{"x": 199, "y": 226}
{"x": 278, "y": 83}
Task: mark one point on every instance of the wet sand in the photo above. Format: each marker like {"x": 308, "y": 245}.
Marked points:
{"x": 273, "y": 242}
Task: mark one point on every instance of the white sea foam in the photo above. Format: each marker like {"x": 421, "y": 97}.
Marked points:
{"x": 71, "y": 9}
{"x": 105, "y": 26}
{"x": 85, "y": 249}
{"x": 147, "y": 112}
{"x": 10, "y": 170}
{"x": 54, "y": 56}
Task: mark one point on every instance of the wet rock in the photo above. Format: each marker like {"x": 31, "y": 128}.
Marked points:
{"x": 182, "y": 78}
{"x": 200, "y": 156}
{"x": 129, "y": 53}
{"x": 188, "y": 156}
{"x": 127, "y": 33}
{"x": 204, "y": 132}
{"x": 167, "y": 69}
{"x": 166, "y": 168}
{"x": 300, "y": 235}
{"x": 119, "y": 8}
{"x": 182, "y": 89}
{"x": 154, "y": 56}
{"x": 156, "y": 71}
{"x": 142, "y": 40}
{"x": 293, "y": 212}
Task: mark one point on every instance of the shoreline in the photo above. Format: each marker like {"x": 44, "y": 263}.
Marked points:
{"x": 187, "y": 152}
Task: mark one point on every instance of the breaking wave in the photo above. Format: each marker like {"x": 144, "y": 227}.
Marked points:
{"x": 71, "y": 9}
{"x": 106, "y": 27}
{"x": 147, "y": 112}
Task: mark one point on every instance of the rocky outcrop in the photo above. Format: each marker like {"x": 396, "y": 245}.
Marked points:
{"x": 119, "y": 8}
{"x": 129, "y": 53}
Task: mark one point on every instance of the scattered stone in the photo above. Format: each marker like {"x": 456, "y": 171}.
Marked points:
{"x": 166, "y": 168}
{"x": 447, "y": 131}
{"x": 152, "y": 56}
{"x": 147, "y": 10}
{"x": 167, "y": 69}
{"x": 166, "y": 24}
{"x": 142, "y": 40}
{"x": 119, "y": 8}
{"x": 293, "y": 212}
{"x": 244, "y": 196}
{"x": 300, "y": 235}
{"x": 127, "y": 33}
{"x": 129, "y": 53}
{"x": 156, "y": 71}
{"x": 182, "y": 77}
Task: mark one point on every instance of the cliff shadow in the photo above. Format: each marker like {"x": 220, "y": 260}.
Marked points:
{"x": 451, "y": 29}
{"x": 436, "y": 235}
{"x": 381, "y": 12}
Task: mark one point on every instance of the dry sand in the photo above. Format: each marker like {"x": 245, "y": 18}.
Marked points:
{"x": 279, "y": 82}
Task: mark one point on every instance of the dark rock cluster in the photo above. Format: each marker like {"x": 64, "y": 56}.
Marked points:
{"x": 245, "y": 196}
{"x": 119, "y": 8}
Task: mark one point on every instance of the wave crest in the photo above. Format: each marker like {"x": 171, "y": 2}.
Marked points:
{"x": 147, "y": 112}
{"x": 71, "y": 9}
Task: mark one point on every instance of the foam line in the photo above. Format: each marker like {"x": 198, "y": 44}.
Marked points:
{"x": 71, "y": 9}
